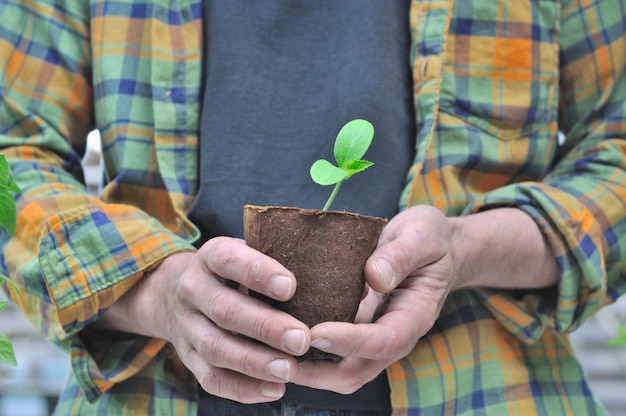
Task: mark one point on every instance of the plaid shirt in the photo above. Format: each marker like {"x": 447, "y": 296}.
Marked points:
{"x": 495, "y": 83}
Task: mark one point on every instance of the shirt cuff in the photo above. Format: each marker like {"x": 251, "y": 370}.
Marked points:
{"x": 576, "y": 241}
{"x": 90, "y": 256}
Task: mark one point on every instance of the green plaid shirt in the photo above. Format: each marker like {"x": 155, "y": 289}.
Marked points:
{"x": 495, "y": 82}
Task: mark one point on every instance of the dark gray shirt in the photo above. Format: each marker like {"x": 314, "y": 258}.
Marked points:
{"x": 281, "y": 78}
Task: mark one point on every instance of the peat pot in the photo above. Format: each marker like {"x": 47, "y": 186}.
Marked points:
{"x": 325, "y": 250}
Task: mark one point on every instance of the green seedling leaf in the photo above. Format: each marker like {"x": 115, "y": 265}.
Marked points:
{"x": 325, "y": 173}
{"x": 358, "y": 166}
{"x": 7, "y": 354}
{"x": 351, "y": 143}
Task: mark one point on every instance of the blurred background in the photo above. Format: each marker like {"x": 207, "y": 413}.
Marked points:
{"x": 32, "y": 388}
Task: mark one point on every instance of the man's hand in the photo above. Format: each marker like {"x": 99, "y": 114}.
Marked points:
{"x": 238, "y": 347}
{"x": 421, "y": 257}
{"x": 409, "y": 274}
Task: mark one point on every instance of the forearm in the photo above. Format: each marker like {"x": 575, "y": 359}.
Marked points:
{"x": 502, "y": 248}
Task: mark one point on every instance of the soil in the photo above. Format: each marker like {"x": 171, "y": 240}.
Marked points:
{"x": 325, "y": 250}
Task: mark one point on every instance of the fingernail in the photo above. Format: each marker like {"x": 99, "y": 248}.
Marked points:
{"x": 271, "y": 390}
{"x": 280, "y": 286}
{"x": 295, "y": 341}
{"x": 386, "y": 273}
{"x": 280, "y": 369}
{"x": 321, "y": 343}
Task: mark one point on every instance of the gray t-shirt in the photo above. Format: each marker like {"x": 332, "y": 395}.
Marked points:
{"x": 281, "y": 78}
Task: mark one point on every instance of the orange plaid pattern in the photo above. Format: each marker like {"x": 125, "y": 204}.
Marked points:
{"x": 517, "y": 104}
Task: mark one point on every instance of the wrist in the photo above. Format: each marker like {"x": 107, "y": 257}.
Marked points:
{"x": 501, "y": 248}
{"x": 460, "y": 245}
{"x": 143, "y": 308}
{"x": 157, "y": 296}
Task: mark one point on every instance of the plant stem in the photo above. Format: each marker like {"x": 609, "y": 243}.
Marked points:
{"x": 332, "y": 196}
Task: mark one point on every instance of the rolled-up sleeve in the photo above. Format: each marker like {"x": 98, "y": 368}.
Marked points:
{"x": 73, "y": 254}
{"x": 581, "y": 204}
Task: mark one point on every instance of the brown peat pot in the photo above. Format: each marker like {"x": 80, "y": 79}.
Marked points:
{"x": 325, "y": 250}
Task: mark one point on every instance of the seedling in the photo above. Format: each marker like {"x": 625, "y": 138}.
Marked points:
{"x": 351, "y": 143}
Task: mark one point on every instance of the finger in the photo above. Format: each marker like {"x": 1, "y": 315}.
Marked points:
{"x": 368, "y": 307}
{"x": 226, "y": 350}
{"x": 230, "y": 384}
{"x": 344, "y": 377}
{"x": 403, "y": 248}
{"x": 369, "y": 341}
{"x": 233, "y": 260}
{"x": 234, "y": 311}
{"x": 390, "y": 264}
{"x": 392, "y": 336}
{"x": 366, "y": 290}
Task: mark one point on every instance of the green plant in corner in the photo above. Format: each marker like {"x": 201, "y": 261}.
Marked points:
{"x": 621, "y": 339}
{"x": 351, "y": 143}
{"x": 8, "y": 216}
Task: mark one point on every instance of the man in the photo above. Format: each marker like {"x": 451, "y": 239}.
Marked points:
{"x": 505, "y": 237}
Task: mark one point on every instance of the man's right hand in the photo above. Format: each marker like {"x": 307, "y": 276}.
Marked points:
{"x": 238, "y": 347}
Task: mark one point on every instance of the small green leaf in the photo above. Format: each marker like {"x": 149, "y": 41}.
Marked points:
{"x": 325, "y": 173}
{"x": 352, "y": 141}
{"x": 3, "y": 304}
{"x": 7, "y": 354}
{"x": 358, "y": 166}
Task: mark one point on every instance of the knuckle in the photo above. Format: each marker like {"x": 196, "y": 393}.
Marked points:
{"x": 351, "y": 385}
{"x": 263, "y": 327}
{"x": 209, "y": 380}
{"x": 222, "y": 309}
{"x": 215, "y": 384}
{"x": 184, "y": 288}
{"x": 226, "y": 253}
{"x": 220, "y": 252}
{"x": 214, "y": 244}
{"x": 404, "y": 257}
{"x": 253, "y": 274}
{"x": 209, "y": 347}
{"x": 183, "y": 350}
{"x": 389, "y": 347}
{"x": 223, "y": 383}
{"x": 248, "y": 363}
{"x": 354, "y": 350}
